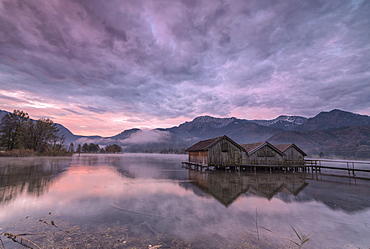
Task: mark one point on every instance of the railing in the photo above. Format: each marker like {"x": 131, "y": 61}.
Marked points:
{"x": 353, "y": 168}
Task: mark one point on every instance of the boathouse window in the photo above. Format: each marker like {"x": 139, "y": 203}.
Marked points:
{"x": 224, "y": 146}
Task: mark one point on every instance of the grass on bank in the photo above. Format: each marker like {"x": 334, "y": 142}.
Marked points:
{"x": 31, "y": 153}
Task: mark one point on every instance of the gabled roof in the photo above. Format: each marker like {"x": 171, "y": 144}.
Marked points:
{"x": 204, "y": 145}
{"x": 251, "y": 148}
{"x": 284, "y": 147}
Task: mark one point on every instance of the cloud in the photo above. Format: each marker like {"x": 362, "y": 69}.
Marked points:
{"x": 149, "y": 136}
{"x": 72, "y": 111}
{"x": 100, "y": 140}
{"x": 93, "y": 109}
{"x": 164, "y": 60}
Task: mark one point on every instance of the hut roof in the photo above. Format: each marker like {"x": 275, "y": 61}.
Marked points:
{"x": 206, "y": 144}
{"x": 251, "y": 148}
{"x": 202, "y": 145}
{"x": 284, "y": 147}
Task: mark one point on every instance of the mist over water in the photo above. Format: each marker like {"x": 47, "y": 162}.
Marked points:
{"x": 151, "y": 195}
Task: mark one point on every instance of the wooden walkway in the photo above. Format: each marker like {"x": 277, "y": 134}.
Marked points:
{"x": 352, "y": 168}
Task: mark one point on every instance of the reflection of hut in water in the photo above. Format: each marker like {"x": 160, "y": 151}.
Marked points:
{"x": 226, "y": 188}
{"x": 219, "y": 151}
{"x": 268, "y": 185}
{"x": 262, "y": 153}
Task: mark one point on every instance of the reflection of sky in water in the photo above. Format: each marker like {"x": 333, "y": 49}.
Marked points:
{"x": 154, "y": 189}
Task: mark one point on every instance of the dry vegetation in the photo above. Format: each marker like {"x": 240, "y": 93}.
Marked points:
{"x": 52, "y": 232}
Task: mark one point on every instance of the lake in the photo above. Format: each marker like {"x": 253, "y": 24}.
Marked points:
{"x": 149, "y": 200}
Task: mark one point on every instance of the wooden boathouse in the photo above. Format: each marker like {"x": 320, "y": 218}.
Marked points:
{"x": 223, "y": 152}
{"x": 219, "y": 151}
{"x": 262, "y": 154}
{"x": 293, "y": 154}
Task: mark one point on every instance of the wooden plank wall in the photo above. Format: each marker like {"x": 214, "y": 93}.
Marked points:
{"x": 224, "y": 153}
{"x": 265, "y": 156}
{"x": 199, "y": 157}
{"x": 293, "y": 154}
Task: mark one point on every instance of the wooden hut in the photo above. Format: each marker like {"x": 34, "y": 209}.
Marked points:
{"x": 262, "y": 153}
{"x": 219, "y": 151}
{"x": 293, "y": 154}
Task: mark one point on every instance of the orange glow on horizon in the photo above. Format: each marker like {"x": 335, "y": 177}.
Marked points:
{"x": 111, "y": 124}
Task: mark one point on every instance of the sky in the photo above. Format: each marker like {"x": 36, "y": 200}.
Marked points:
{"x": 100, "y": 67}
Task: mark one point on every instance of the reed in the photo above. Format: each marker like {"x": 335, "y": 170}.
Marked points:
{"x": 302, "y": 238}
{"x": 31, "y": 153}
{"x": 18, "y": 153}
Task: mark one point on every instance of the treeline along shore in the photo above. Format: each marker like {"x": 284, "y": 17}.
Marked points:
{"x": 22, "y": 136}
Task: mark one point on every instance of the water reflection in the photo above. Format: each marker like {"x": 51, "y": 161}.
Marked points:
{"x": 32, "y": 176}
{"x": 152, "y": 195}
{"x": 227, "y": 187}
{"x": 338, "y": 193}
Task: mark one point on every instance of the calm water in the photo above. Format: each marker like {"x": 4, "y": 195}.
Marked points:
{"x": 137, "y": 200}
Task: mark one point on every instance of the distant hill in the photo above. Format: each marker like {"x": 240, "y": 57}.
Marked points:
{"x": 283, "y": 122}
{"x": 125, "y": 134}
{"x": 348, "y": 142}
{"x": 335, "y": 133}
{"x": 334, "y": 119}
{"x": 204, "y": 127}
{"x": 249, "y": 132}
{"x": 2, "y": 113}
{"x": 68, "y": 135}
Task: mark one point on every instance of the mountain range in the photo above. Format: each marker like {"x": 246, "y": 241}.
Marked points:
{"x": 334, "y": 133}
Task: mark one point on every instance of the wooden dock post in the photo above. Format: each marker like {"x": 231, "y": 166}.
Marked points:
{"x": 353, "y": 166}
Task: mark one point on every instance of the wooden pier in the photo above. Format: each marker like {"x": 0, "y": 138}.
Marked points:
{"x": 352, "y": 168}
{"x": 250, "y": 167}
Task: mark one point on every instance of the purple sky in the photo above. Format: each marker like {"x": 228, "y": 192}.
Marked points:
{"x": 99, "y": 67}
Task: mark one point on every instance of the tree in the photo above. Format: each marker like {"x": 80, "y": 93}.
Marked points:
{"x": 79, "y": 149}
{"x": 113, "y": 148}
{"x": 12, "y": 129}
{"x": 43, "y": 135}
{"x": 93, "y": 148}
{"x": 90, "y": 148}
{"x": 85, "y": 148}
{"x": 71, "y": 147}
{"x": 18, "y": 131}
